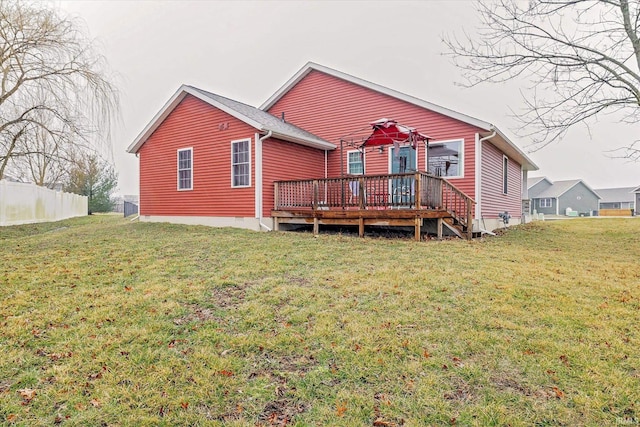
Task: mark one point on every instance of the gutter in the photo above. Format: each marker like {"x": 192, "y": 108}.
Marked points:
{"x": 321, "y": 145}
{"x": 258, "y": 183}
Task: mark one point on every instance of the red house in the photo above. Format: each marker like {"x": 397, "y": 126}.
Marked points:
{"x": 312, "y": 153}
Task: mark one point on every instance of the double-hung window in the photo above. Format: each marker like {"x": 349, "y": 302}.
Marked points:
{"x": 545, "y": 203}
{"x": 505, "y": 174}
{"x": 355, "y": 164}
{"x": 185, "y": 169}
{"x": 241, "y": 163}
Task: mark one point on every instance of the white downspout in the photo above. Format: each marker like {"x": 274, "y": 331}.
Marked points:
{"x": 325, "y": 164}
{"x": 479, "y": 175}
{"x": 259, "y": 192}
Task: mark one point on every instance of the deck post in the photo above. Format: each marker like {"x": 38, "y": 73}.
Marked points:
{"x": 361, "y": 193}
{"x": 276, "y": 224}
{"x": 316, "y": 226}
{"x": 417, "y": 190}
{"x": 418, "y": 226}
{"x": 361, "y": 226}
{"x": 276, "y": 193}
{"x": 315, "y": 195}
{"x": 469, "y": 219}
{"x": 440, "y": 221}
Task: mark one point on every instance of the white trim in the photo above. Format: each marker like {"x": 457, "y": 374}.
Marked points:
{"x": 258, "y": 177}
{"x": 461, "y": 161}
{"x": 247, "y": 223}
{"x": 248, "y": 140}
{"x": 545, "y": 198}
{"x": 178, "y": 169}
{"x": 505, "y": 175}
{"x": 478, "y": 177}
{"x": 362, "y": 156}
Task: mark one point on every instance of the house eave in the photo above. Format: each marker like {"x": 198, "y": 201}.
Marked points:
{"x": 164, "y": 112}
{"x": 511, "y": 150}
{"x": 327, "y": 146}
{"x": 185, "y": 90}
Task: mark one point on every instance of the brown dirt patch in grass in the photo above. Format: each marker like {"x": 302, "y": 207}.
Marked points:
{"x": 229, "y": 295}
{"x": 281, "y": 412}
{"x": 462, "y": 392}
{"x": 196, "y": 314}
{"x": 507, "y": 384}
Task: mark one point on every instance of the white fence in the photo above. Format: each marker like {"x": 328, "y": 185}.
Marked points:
{"x": 27, "y": 203}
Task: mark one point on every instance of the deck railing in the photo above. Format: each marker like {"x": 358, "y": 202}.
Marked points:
{"x": 391, "y": 191}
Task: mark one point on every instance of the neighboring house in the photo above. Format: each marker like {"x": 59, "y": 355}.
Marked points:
{"x": 207, "y": 159}
{"x": 618, "y": 201}
{"x": 570, "y": 197}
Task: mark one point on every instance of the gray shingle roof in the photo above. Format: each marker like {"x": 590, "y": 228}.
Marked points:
{"x": 266, "y": 120}
{"x": 612, "y": 195}
{"x": 534, "y": 180}
{"x": 560, "y": 187}
{"x": 254, "y": 117}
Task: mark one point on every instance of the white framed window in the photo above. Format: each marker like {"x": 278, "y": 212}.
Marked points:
{"x": 185, "y": 169}
{"x": 241, "y": 163}
{"x": 505, "y": 174}
{"x": 445, "y": 158}
{"x": 546, "y": 203}
{"x": 355, "y": 162}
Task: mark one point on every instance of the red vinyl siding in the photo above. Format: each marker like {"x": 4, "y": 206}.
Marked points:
{"x": 285, "y": 160}
{"x": 493, "y": 199}
{"x": 194, "y": 123}
{"x": 332, "y": 108}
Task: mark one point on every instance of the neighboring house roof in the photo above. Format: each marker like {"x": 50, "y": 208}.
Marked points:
{"x": 613, "y": 195}
{"x": 260, "y": 120}
{"x": 10, "y": 178}
{"x": 636, "y": 190}
{"x": 499, "y": 140}
{"x": 535, "y": 180}
{"x": 560, "y": 187}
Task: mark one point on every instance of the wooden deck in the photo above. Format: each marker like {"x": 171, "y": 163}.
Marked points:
{"x": 393, "y": 200}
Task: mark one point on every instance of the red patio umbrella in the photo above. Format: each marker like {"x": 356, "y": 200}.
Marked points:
{"x": 389, "y": 132}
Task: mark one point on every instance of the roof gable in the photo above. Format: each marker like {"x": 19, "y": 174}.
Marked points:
{"x": 254, "y": 117}
{"x": 310, "y": 66}
{"x": 533, "y": 181}
{"x": 495, "y": 135}
{"x": 560, "y": 187}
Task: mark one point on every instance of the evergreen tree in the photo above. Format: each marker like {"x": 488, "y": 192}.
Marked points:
{"x": 95, "y": 178}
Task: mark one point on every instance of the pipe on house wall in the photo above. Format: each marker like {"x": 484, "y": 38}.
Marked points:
{"x": 326, "y": 153}
{"x": 259, "y": 192}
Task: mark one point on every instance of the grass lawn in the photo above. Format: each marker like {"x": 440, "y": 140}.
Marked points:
{"x": 117, "y": 323}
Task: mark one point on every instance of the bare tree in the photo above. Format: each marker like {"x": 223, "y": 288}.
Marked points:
{"x": 54, "y": 90}
{"x": 581, "y": 57}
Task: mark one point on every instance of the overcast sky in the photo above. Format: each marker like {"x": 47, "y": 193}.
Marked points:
{"x": 248, "y": 50}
